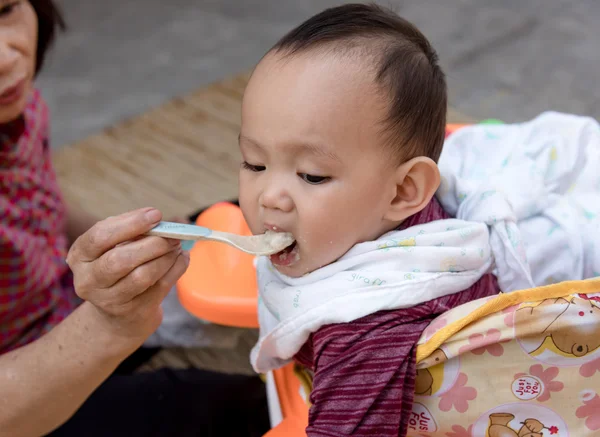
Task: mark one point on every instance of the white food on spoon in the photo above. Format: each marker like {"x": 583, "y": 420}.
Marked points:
{"x": 278, "y": 240}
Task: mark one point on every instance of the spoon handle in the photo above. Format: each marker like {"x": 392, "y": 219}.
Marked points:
{"x": 180, "y": 231}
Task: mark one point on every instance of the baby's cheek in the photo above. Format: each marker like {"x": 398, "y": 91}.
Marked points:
{"x": 332, "y": 248}
{"x": 326, "y": 234}
{"x": 249, "y": 209}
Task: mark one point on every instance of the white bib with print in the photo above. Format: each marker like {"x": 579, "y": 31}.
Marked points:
{"x": 399, "y": 270}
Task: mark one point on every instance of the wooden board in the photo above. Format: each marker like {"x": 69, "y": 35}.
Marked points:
{"x": 178, "y": 157}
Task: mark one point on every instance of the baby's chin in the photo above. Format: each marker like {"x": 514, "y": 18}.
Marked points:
{"x": 290, "y": 272}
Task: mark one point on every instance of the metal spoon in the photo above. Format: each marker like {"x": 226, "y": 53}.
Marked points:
{"x": 268, "y": 243}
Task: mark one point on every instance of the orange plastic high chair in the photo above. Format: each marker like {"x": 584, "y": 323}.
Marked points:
{"x": 220, "y": 283}
{"x": 220, "y": 286}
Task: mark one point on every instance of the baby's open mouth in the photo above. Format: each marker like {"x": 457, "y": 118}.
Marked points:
{"x": 287, "y": 256}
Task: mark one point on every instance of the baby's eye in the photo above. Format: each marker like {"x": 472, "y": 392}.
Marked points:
{"x": 255, "y": 168}
{"x": 312, "y": 179}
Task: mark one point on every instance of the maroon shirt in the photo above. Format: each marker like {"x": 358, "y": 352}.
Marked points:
{"x": 365, "y": 370}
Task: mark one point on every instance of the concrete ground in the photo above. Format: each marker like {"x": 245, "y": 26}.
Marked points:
{"x": 507, "y": 59}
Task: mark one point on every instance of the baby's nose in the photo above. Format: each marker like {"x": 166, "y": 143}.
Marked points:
{"x": 277, "y": 197}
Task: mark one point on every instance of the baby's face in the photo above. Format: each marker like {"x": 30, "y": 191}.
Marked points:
{"x": 314, "y": 161}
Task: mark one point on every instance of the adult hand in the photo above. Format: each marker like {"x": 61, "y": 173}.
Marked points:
{"x": 126, "y": 274}
{"x": 123, "y": 275}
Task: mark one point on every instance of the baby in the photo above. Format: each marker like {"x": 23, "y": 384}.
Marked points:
{"x": 343, "y": 122}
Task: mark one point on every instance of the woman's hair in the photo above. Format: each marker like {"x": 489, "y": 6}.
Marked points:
{"x": 49, "y": 21}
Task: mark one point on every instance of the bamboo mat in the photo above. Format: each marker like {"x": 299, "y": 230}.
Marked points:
{"x": 178, "y": 157}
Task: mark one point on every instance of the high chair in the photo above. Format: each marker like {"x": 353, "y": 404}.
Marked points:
{"x": 464, "y": 385}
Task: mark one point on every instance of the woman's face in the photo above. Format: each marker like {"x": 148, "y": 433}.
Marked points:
{"x": 18, "y": 46}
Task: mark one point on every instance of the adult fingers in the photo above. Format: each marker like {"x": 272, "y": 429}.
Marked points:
{"x": 110, "y": 232}
{"x": 136, "y": 283}
{"x": 155, "y": 294}
{"x": 120, "y": 261}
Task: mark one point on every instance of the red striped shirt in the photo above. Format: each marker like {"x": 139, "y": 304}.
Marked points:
{"x": 36, "y": 290}
{"x": 365, "y": 371}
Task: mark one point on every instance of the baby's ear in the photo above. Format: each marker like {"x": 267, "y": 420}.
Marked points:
{"x": 416, "y": 182}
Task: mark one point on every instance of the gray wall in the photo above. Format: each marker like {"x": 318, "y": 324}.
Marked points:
{"x": 509, "y": 59}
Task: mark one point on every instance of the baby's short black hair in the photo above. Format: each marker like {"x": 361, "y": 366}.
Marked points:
{"x": 406, "y": 70}
{"x": 49, "y": 21}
